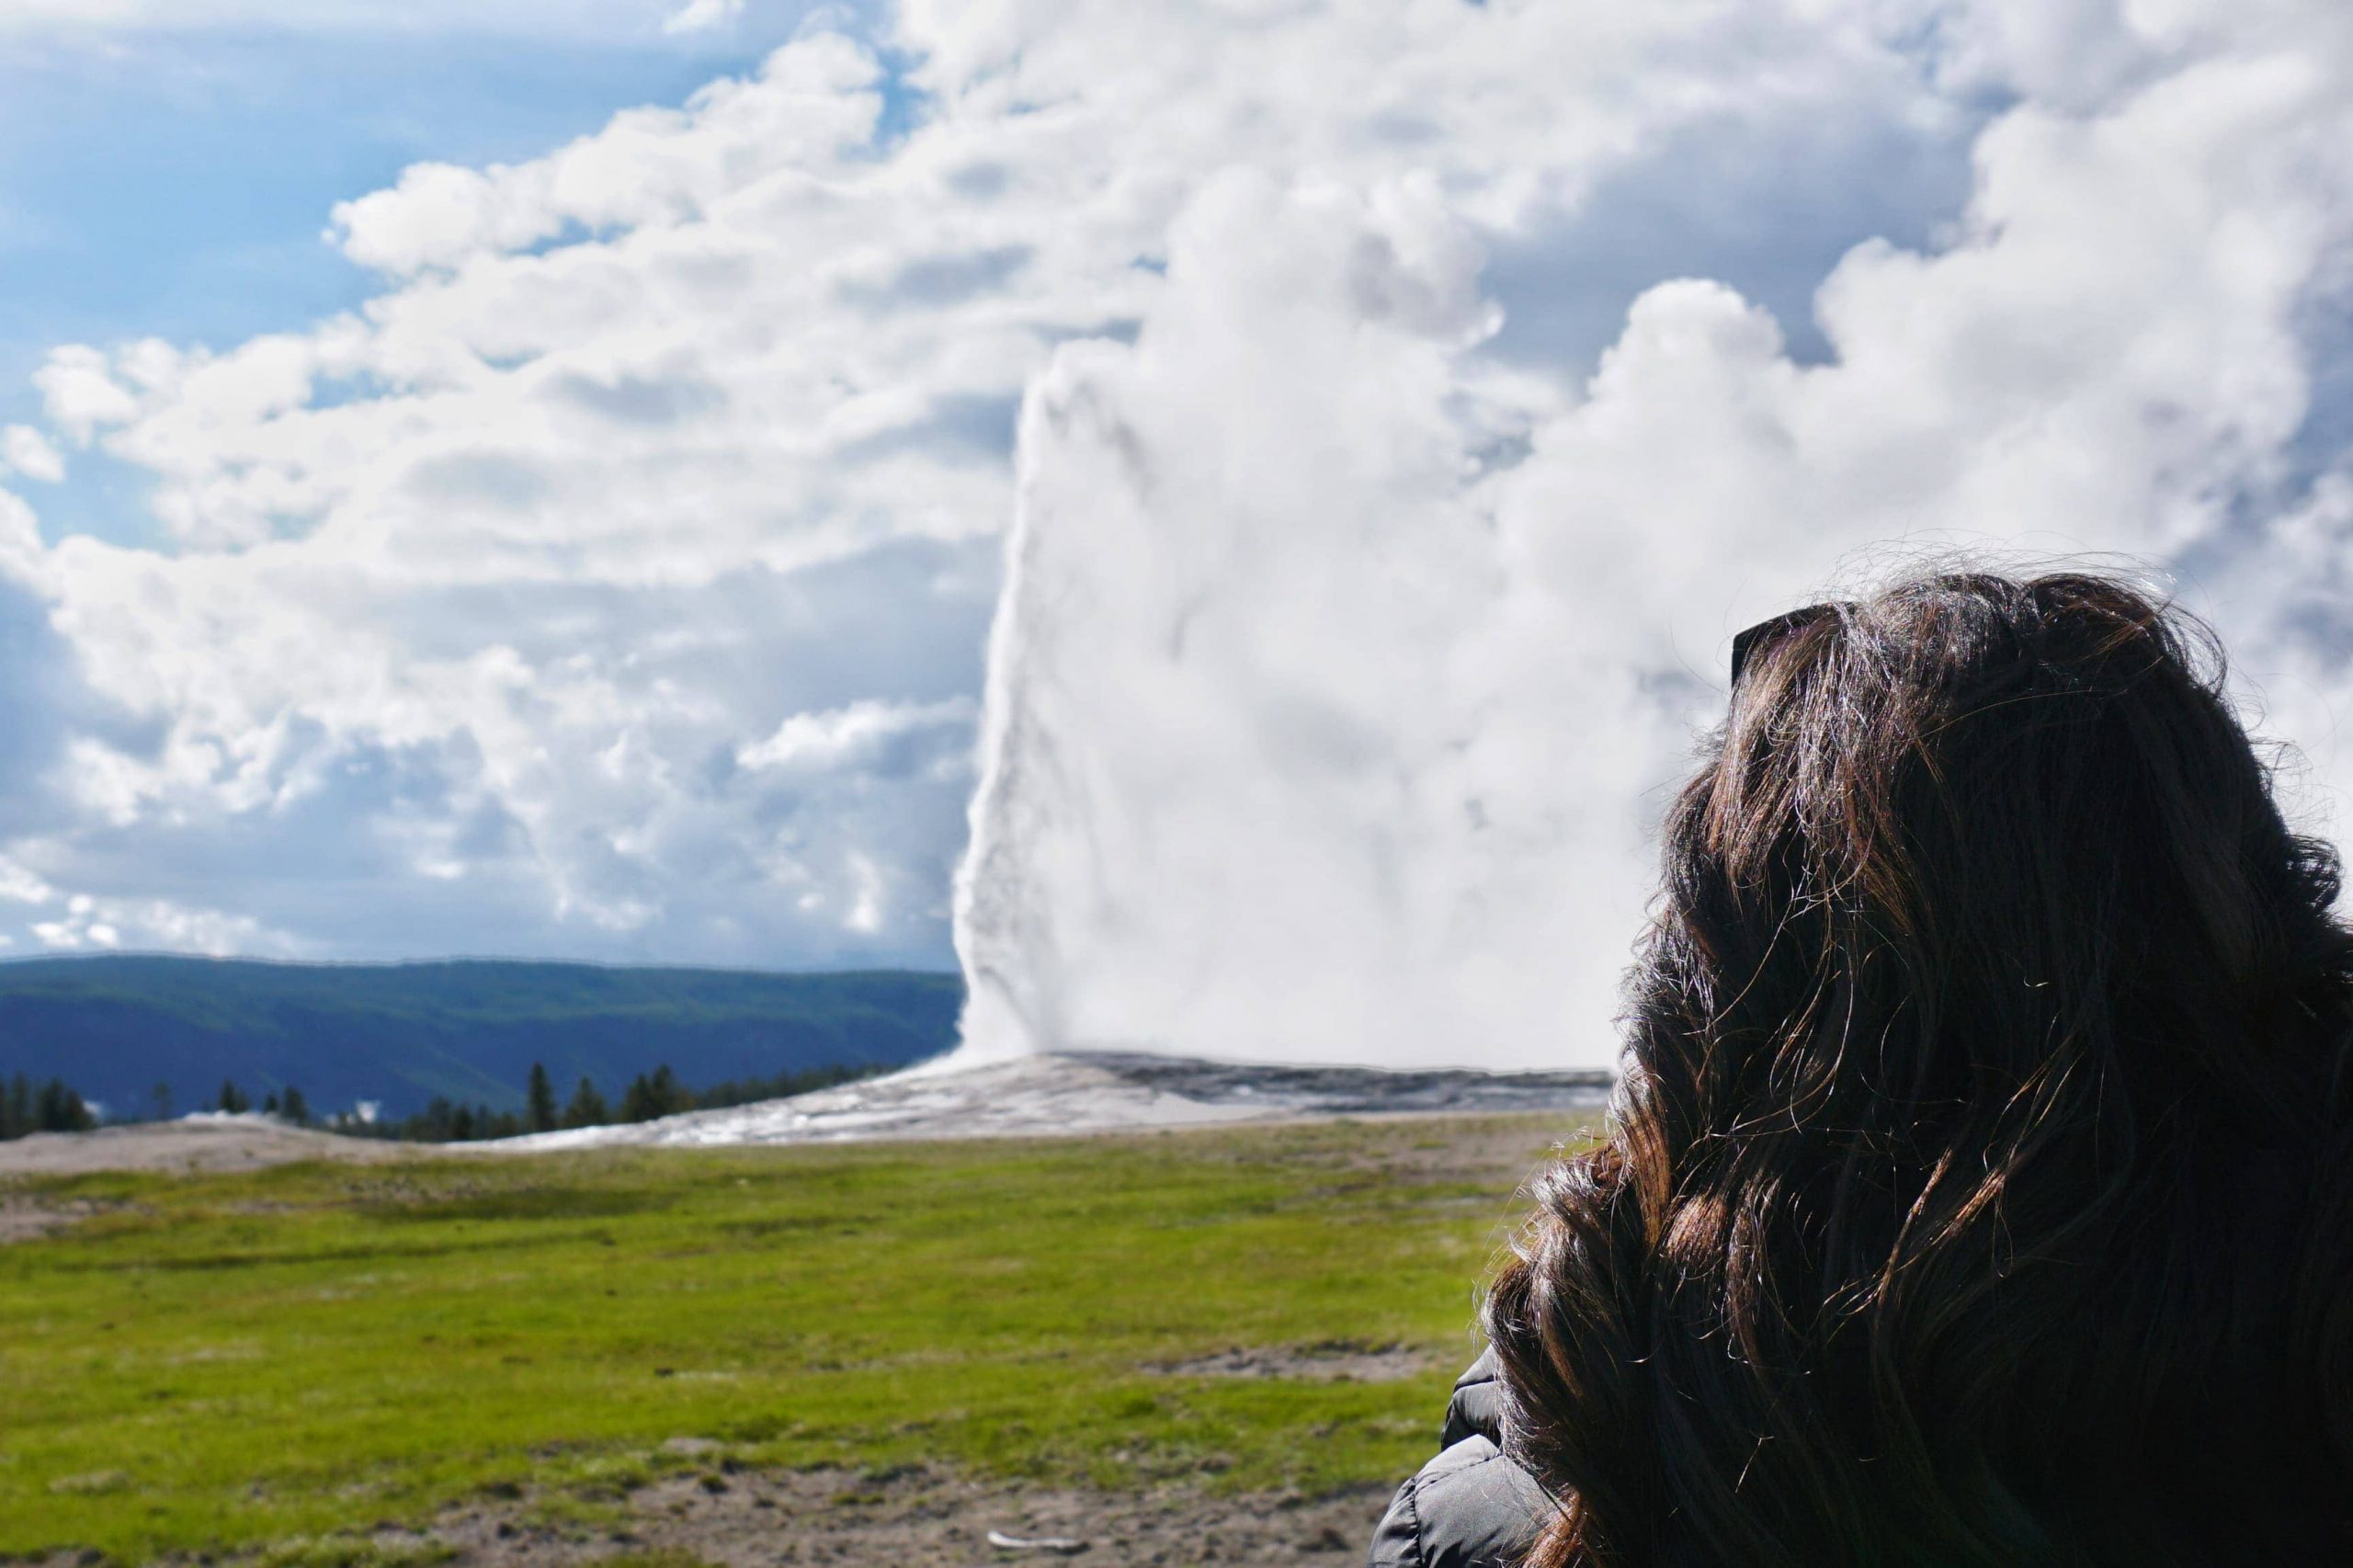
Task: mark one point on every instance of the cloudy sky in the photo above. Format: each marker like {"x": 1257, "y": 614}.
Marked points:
{"x": 540, "y": 479}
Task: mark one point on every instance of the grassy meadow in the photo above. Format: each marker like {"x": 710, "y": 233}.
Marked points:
{"x": 232, "y": 1363}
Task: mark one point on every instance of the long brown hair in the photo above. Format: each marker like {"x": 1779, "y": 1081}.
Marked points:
{"x": 1981, "y": 1185}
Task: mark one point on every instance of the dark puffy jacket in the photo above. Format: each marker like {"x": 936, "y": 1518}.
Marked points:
{"x": 1470, "y": 1507}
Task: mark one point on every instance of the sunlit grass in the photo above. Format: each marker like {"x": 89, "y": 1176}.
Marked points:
{"x": 281, "y": 1356}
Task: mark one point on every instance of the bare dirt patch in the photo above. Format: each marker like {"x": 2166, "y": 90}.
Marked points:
{"x": 1502, "y": 1152}
{"x": 727, "y": 1518}
{"x": 24, "y": 1215}
{"x": 1336, "y": 1361}
{"x": 198, "y": 1144}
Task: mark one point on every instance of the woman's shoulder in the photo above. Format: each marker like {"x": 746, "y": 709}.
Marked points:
{"x": 1470, "y": 1507}
{"x": 1475, "y": 1410}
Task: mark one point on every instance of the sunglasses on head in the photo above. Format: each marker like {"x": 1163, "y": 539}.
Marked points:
{"x": 1766, "y": 632}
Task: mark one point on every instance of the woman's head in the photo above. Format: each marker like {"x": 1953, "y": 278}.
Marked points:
{"x": 1979, "y": 1190}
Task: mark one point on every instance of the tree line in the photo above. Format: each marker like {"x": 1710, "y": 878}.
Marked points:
{"x": 288, "y": 1105}
{"x": 55, "y": 1107}
{"x": 649, "y": 1097}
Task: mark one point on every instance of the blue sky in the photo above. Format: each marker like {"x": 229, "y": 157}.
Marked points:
{"x": 176, "y": 183}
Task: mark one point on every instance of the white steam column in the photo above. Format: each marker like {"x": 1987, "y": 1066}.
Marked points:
{"x": 1250, "y": 785}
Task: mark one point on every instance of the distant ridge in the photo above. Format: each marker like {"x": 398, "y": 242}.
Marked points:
{"x": 116, "y": 1025}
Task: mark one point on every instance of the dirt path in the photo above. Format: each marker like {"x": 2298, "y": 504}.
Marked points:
{"x": 751, "y": 1520}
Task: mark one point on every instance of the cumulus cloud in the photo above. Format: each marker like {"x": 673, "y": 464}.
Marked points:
{"x": 28, "y": 452}
{"x": 86, "y": 924}
{"x": 703, "y": 16}
{"x": 808, "y": 111}
{"x": 80, "y": 392}
{"x": 856, "y": 732}
{"x": 471, "y": 599}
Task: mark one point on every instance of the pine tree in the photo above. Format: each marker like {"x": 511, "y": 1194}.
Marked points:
{"x": 232, "y": 1099}
{"x": 160, "y": 1097}
{"x": 17, "y": 1114}
{"x": 60, "y": 1110}
{"x": 587, "y": 1107}
{"x": 294, "y": 1107}
{"x": 658, "y": 1096}
{"x": 543, "y": 1100}
{"x": 269, "y": 1103}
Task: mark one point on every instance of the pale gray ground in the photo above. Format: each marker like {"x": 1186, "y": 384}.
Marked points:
{"x": 1070, "y": 1092}
{"x": 197, "y": 1143}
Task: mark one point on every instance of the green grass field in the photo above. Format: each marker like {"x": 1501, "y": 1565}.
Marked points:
{"x": 221, "y": 1363}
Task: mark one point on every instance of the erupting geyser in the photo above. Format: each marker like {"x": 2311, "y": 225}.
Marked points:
{"x": 1292, "y": 752}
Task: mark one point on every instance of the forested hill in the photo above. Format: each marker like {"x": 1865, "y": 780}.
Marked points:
{"x": 116, "y": 1027}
